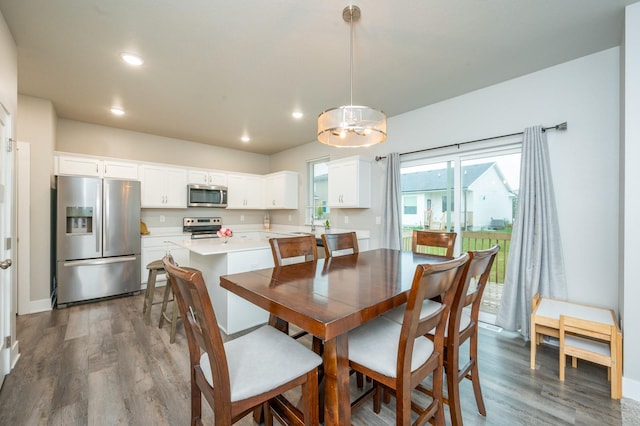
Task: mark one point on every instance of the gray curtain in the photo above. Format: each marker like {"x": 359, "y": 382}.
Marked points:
{"x": 535, "y": 263}
{"x": 391, "y": 205}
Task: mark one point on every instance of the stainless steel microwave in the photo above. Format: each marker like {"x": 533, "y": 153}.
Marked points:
{"x": 206, "y": 195}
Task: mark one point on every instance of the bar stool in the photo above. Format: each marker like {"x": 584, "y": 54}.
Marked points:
{"x": 154, "y": 268}
{"x": 174, "y": 311}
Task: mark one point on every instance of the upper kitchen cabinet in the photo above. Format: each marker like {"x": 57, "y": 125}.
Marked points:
{"x": 244, "y": 191}
{"x": 281, "y": 190}
{"x": 93, "y": 166}
{"x": 207, "y": 177}
{"x": 163, "y": 187}
{"x": 350, "y": 183}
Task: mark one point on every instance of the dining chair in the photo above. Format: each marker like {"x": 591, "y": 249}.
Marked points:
{"x": 399, "y": 356}
{"x": 462, "y": 326}
{"x": 343, "y": 243}
{"x": 591, "y": 341}
{"x": 285, "y": 251}
{"x": 426, "y": 241}
{"x": 249, "y": 372}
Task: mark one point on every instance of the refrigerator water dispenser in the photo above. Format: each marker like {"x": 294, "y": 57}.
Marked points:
{"x": 79, "y": 220}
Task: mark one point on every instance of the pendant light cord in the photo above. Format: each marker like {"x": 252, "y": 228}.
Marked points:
{"x": 351, "y": 55}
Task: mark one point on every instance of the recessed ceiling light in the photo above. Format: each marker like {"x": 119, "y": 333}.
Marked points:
{"x": 117, "y": 111}
{"x": 132, "y": 59}
{"x": 245, "y": 139}
{"x": 297, "y": 115}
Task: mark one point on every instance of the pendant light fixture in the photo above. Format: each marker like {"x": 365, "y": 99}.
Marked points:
{"x": 351, "y": 125}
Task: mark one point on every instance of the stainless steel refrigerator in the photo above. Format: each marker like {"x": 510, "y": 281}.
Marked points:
{"x": 97, "y": 238}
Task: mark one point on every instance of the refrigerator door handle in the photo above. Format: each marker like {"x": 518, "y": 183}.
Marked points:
{"x": 86, "y": 262}
{"x": 105, "y": 216}
{"x": 100, "y": 230}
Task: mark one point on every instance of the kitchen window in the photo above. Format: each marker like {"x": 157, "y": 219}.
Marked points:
{"x": 317, "y": 210}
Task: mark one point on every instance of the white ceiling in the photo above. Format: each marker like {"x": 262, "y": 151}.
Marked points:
{"x": 216, "y": 69}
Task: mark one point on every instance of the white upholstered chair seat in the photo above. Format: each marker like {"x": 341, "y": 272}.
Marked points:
{"x": 428, "y": 307}
{"x": 262, "y": 360}
{"x": 375, "y": 346}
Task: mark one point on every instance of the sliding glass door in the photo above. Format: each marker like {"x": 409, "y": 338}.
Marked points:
{"x": 474, "y": 194}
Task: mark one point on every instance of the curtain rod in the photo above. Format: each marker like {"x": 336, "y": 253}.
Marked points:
{"x": 561, "y": 126}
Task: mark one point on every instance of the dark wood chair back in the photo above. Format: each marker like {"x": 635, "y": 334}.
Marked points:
{"x": 429, "y": 281}
{"x": 422, "y": 241}
{"x": 203, "y": 336}
{"x": 337, "y": 242}
{"x": 462, "y": 326}
{"x": 284, "y": 248}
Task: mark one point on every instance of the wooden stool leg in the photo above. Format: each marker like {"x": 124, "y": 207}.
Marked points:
{"x": 148, "y": 295}
{"x": 165, "y": 300}
{"x": 174, "y": 313}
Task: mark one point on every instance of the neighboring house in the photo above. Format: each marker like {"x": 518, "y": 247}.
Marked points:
{"x": 428, "y": 198}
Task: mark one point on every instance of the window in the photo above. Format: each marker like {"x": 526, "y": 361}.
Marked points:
{"x": 318, "y": 194}
{"x": 410, "y": 207}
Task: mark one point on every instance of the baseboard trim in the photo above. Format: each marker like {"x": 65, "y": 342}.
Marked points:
{"x": 630, "y": 388}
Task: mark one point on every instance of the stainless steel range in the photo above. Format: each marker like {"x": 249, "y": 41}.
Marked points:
{"x": 202, "y": 227}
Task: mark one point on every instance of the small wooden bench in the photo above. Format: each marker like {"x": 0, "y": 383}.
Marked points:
{"x": 545, "y": 320}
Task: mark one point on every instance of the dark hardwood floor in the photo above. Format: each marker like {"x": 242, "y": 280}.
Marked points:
{"x": 99, "y": 364}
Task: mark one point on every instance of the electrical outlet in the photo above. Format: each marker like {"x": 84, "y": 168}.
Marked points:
{"x": 346, "y": 220}
{"x": 162, "y": 218}
{"x": 378, "y": 220}
{"x": 241, "y": 218}
{"x": 290, "y": 217}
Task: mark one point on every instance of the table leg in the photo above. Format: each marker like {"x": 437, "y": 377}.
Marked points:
{"x": 337, "y": 408}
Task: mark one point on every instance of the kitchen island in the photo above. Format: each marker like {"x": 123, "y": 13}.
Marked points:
{"x": 245, "y": 251}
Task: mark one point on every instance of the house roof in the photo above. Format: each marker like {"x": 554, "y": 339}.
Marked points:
{"x": 436, "y": 180}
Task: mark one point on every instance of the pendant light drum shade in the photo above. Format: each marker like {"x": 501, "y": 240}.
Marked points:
{"x": 352, "y": 126}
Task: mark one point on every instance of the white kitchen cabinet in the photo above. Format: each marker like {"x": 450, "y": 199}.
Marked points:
{"x": 281, "y": 190}
{"x": 349, "y": 183}
{"x": 163, "y": 187}
{"x": 207, "y": 177}
{"x": 119, "y": 169}
{"x": 93, "y": 166}
{"x": 244, "y": 191}
{"x": 155, "y": 248}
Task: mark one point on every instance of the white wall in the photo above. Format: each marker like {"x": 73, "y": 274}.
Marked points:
{"x": 36, "y": 124}
{"x": 630, "y": 231}
{"x": 8, "y": 68}
{"x": 85, "y": 138}
{"x": 583, "y": 92}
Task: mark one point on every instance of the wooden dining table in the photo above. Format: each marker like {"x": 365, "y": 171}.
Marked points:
{"x": 328, "y": 298}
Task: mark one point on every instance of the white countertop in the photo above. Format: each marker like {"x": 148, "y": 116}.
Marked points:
{"x": 209, "y": 246}
{"x": 250, "y": 239}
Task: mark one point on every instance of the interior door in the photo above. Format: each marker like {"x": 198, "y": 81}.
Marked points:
{"x": 6, "y": 241}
